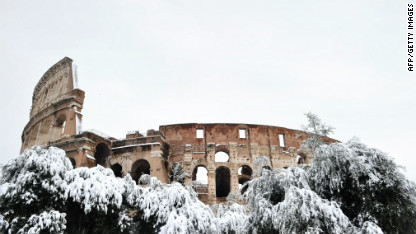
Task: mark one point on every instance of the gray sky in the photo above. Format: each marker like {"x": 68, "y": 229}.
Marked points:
{"x": 149, "y": 63}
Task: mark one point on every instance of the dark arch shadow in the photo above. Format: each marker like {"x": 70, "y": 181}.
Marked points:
{"x": 73, "y": 162}
{"x": 301, "y": 158}
{"x": 244, "y": 174}
{"x": 139, "y": 168}
{"x": 222, "y": 181}
{"x": 101, "y": 154}
{"x": 117, "y": 169}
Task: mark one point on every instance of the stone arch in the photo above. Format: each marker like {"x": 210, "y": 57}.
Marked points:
{"x": 222, "y": 156}
{"x": 301, "y": 158}
{"x": 222, "y": 181}
{"x": 73, "y": 162}
{"x": 139, "y": 168}
{"x": 101, "y": 154}
{"x": 60, "y": 125}
{"x": 117, "y": 169}
{"x": 200, "y": 173}
{"x": 244, "y": 174}
{"x": 222, "y": 148}
{"x": 222, "y": 129}
{"x": 245, "y": 170}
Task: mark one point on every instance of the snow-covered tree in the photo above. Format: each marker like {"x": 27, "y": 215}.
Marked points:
{"x": 178, "y": 174}
{"x": 96, "y": 201}
{"x": 281, "y": 201}
{"x": 367, "y": 184}
{"x": 169, "y": 208}
{"x": 316, "y": 130}
{"x": 40, "y": 192}
{"x": 303, "y": 211}
{"x": 231, "y": 218}
{"x": 32, "y": 191}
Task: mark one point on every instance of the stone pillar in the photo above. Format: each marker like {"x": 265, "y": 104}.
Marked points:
{"x": 234, "y": 180}
{"x": 211, "y": 152}
{"x": 233, "y": 152}
{"x": 188, "y": 153}
{"x": 274, "y": 155}
{"x": 254, "y": 148}
{"x": 212, "y": 196}
{"x": 187, "y": 167}
{"x": 126, "y": 164}
{"x": 293, "y": 154}
{"x": 70, "y": 125}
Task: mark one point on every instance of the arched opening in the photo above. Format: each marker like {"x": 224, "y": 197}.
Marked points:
{"x": 301, "y": 158}
{"x": 221, "y": 156}
{"x": 222, "y": 181}
{"x": 73, "y": 162}
{"x": 200, "y": 174}
{"x": 60, "y": 125}
{"x": 63, "y": 127}
{"x": 244, "y": 174}
{"x": 101, "y": 154}
{"x": 117, "y": 169}
{"x": 139, "y": 168}
{"x": 245, "y": 170}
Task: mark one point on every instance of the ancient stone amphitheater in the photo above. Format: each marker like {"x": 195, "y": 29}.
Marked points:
{"x": 221, "y": 154}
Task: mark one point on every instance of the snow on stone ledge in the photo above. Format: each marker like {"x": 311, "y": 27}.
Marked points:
{"x": 98, "y": 133}
{"x": 90, "y": 157}
{"x": 128, "y": 146}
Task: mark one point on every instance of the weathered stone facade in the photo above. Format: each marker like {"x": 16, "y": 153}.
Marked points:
{"x": 55, "y": 120}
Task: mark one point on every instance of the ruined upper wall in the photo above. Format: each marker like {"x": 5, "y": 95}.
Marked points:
{"x": 220, "y": 134}
{"x": 57, "y": 81}
{"x": 56, "y": 106}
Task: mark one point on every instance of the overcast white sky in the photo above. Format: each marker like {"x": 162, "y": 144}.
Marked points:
{"x": 149, "y": 63}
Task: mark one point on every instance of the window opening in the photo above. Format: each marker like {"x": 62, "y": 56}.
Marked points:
{"x": 282, "y": 140}
{"x": 199, "y": 133}
{"x": 201, "y": 175}
{"x": 242, "y": 133}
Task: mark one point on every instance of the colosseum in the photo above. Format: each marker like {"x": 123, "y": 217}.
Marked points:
{"x": 222, "y": 153}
